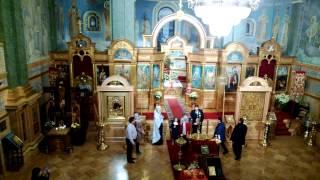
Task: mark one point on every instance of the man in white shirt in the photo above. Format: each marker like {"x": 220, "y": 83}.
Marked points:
{"x": 131, "y": 136}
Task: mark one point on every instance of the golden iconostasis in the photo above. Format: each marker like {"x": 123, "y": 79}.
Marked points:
{"x": 177, "y": 70}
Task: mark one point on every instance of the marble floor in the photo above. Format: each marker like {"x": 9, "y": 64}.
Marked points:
{"x": 288, "y": 158}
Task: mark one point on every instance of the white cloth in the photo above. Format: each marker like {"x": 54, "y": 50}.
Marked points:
{"x": 157, "y": 121}
{"x": 131, "y": 132}
{"x": 184, "y": 121}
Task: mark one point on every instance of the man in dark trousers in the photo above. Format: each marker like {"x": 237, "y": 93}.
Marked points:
{"x": 131, "y": 136}
{"x": 238, "y": 138}
{"x": 197, "y": 118}
{"x": 220, "y": 133}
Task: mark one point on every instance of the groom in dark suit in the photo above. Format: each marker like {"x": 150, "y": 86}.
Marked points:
{"x": 238, "y": 138}
{"x": 197, "y": 119}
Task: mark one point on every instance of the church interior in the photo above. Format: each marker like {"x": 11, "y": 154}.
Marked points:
{"x": 72, "y": 72}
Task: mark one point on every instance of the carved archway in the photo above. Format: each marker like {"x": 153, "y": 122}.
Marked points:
{"x": 181, "y": 17}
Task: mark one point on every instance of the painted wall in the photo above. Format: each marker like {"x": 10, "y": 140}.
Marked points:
{"x": 63, "y": 8}
{"x": 36, "y": 29}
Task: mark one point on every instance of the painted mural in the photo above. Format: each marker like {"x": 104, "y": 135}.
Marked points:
{"x": 36, "y": 29}
{"x": 196, "y": 75}
{"x": 235, "y": 56}
{"x": 308, "y": 50}
{"x": 313, "y": 87}
{"x": 68, "y": 25}
{"x": 156, "y": 76}
{"x": 143, "y": 76}
{"x": 210, "y": 72}
{"x": 122, "y": 54}
{"x": 233, "y": 80}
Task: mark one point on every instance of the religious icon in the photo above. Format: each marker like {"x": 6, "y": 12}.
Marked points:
{"x": 102, "y": 73}
{"x": 209, "y": 76}
{"x": 143, "y": 76}
{"x": 250, "y": 71}
{"x": 123, "y": 70}
{"x": 282, "y": 76}
{"x": 233, "y": 73}
{"x": 156, "y": 76}
{"x": 196, "y": 80}
{"x": 122, "y": 54}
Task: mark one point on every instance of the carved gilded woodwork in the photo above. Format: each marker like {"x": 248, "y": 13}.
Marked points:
{"x": 252, "y": 105}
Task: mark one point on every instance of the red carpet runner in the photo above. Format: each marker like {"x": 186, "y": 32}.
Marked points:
{"x": 175, "y": 107}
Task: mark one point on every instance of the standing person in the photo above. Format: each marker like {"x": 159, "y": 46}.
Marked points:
{"x": 238, "y": 138}
{"x": 157, "y": 126}
{"x": 131, "y": 136}
{"x": 174, "y": 128}
{"x": 140, "y": 131}
{"x": 185, "y": 125}
{"x": 197, "y": 118}
{"x": 220, "y": 133}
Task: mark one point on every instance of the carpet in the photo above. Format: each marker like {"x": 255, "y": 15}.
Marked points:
{"x": 190, "y": 152}
{"x": 175, "y": 107}
{"x": 281, "y": 129}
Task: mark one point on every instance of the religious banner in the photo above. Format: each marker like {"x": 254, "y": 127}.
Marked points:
{"x": 298, "y": 83}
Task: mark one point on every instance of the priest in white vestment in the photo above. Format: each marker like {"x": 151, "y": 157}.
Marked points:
{"x": 157, "y": 126}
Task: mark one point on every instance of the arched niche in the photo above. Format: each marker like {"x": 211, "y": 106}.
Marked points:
{"x": 253, "y": 98}
{"x": 122, "y": 51}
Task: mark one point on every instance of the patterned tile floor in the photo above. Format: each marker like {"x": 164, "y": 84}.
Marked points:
{"x": 287, "y": 158}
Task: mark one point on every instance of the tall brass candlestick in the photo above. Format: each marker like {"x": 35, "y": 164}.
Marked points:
{"x": 101, "y": 146}
{"x": 179, "y": 167}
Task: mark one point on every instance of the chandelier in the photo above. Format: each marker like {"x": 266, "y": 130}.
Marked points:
{"x": 222, "y": 15}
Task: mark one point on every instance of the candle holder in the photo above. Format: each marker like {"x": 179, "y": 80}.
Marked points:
{"x": 312, "y": 134}
{"x": 179, "y": 167}
{"x": 101, "y": 146}
{"x": 265, "y": 142}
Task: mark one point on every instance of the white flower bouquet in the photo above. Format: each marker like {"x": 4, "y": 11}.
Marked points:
{"x": 282, "y": 98}
{"x": 75, "y": 125}
{"x": 158, "y": 95}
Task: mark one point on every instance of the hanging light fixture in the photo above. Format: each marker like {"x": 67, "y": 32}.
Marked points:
{"x": 222, "y": 15}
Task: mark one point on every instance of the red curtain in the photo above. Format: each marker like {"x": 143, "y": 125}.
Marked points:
{"x": 267, "y": 68}
{"x": 82, "y": 66}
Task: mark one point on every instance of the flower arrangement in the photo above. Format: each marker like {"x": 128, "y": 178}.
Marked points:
{"x": 282, "y": 98}
{"x": 75, "y": 125}
{"x": 193, "y": 95}
{"x": 158, "y": 95}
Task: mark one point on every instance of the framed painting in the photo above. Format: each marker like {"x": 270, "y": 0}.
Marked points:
{"x": 123, "y": 70}
{"x": 233, "y": 77}
{"x": 102, "y": 73}
{"x": 196, "y": 76}
{"x": 156, "y": 76}
{"x": 235, "y": 57}
{"x": 122, "y": 54}
{"x": 250, "y": 71}
{"x": 143, "y": 76}
{"x": 282, "y": 78}
{"x": 209, "y": 77}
